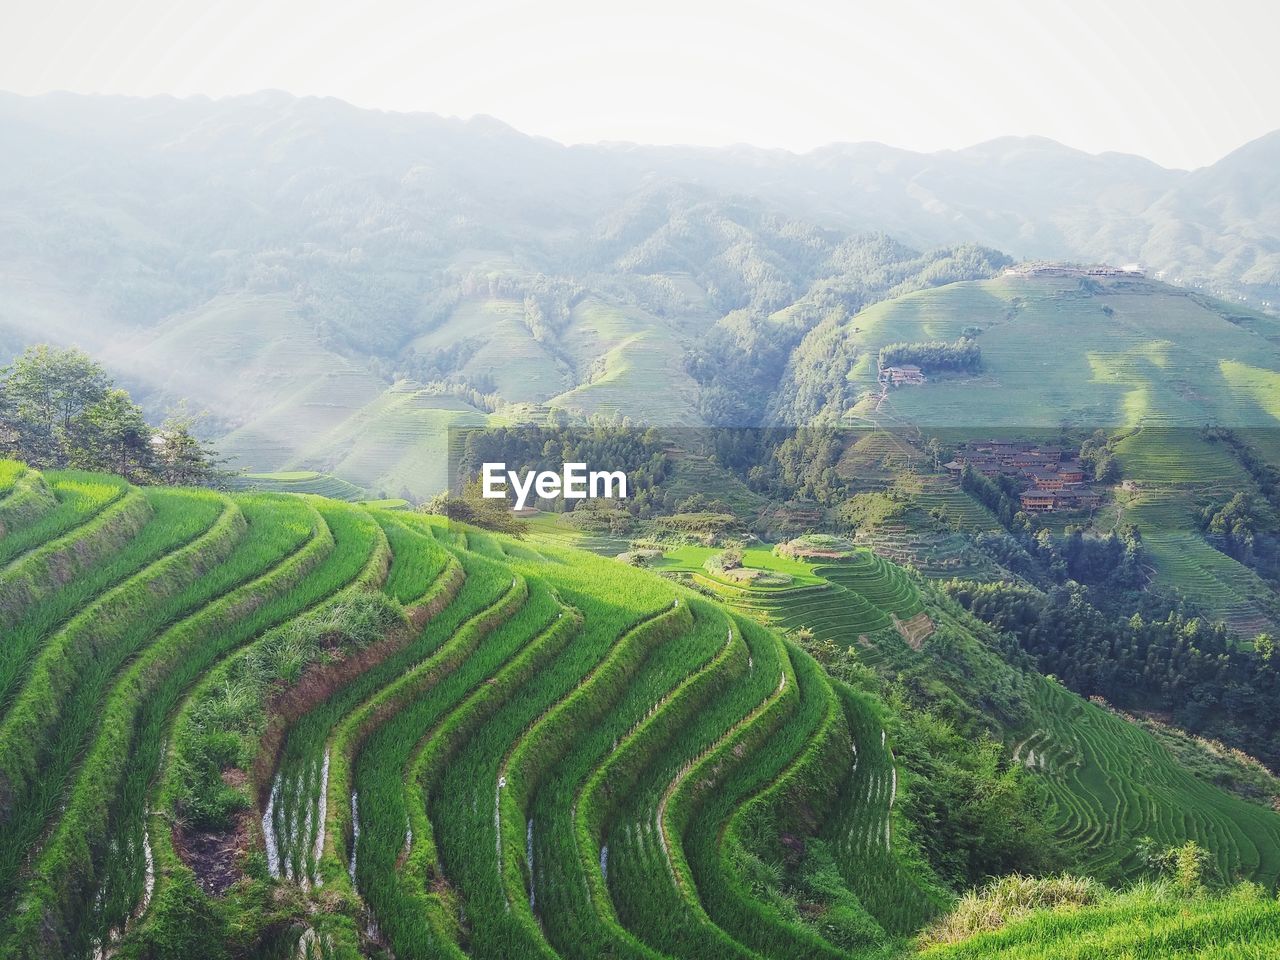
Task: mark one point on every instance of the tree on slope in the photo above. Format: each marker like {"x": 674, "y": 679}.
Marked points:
{"x": 59, "y": 408}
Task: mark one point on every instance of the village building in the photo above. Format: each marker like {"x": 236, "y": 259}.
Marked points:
{"x": 1077, "y": 500}
{"x": 1042, "y": 268}
{"x": 988, "y": 468}
{"x": 1037, "y": 501}
{"x": 1047, "y": 480}
{"x": 905, "y": 374}
{"x": 1071, "y": 472}
{"x": 1002, "y": 447}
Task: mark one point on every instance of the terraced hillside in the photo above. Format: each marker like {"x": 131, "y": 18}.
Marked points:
{"x": 321, "y": 410}
{"x": 863, "y": 600}
{"x": 1086, "y": 756}
{"x": 273, "y": 725}
{"x": 1088, "y": 353}
{"x": 932, "y": 531}
{"x": 1110, "y": 783}
{"x": 630, "y": 364}
{"x": 692, "y": 474}
{"x": 300, "y": 481}
{"x": 1139, "y": 359}
{"x": 1176, "y": 472}
{"x": 262, "y": 366}
{"x": 428, "y": 738}
{"x": 397, "y": 445}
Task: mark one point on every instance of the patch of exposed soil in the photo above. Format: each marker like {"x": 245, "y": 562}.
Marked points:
{"x": 215, "y": 855}
{"x": 916, "y": 630}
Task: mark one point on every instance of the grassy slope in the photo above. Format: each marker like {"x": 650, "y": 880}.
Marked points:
{"x": 1112, "y": 783}
{"x": 693, "y": 474}
{"x": 293, "y": 401}
{"x": 1146, "y": 924}
{"x": 506, "y": 356}
{"x": 634, "y": 367}
{"x": 261, "y": 365}
{"x": 301, "y": 481}
{"x": 1052, "y": 353}
{"x": 397, "y": 444}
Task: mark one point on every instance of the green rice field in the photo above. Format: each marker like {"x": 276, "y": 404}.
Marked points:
{"x": 269, "y": 725}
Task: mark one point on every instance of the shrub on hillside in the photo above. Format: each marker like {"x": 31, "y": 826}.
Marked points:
{"x": 708, "y": 529}
{"x": 640, "y": 558}
{"x": 1009, "y": 898}
{"x": 866, "y": 510}
{"x": 820, "y": 545}
{"x": 228, "y": 719}
{"x": 619, "y": 523}
{"x": 474, "y": 509}
{"x": 728, "y": 559}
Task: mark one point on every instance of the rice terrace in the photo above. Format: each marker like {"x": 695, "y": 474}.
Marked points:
{"x": 326, "y": 729}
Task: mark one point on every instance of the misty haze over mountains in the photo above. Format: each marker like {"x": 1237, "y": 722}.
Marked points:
{"x": 1030, "y": 197}
{"x": 267, "y": 254}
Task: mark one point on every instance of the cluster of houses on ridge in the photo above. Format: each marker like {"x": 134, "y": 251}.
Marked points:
{"x": 1056, "y": 481}
{"x": 1046, "y": 268}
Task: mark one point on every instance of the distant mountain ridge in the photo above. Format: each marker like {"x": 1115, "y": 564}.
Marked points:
{"x": 1029, "y": 196}
{"x": 332, "y": 282}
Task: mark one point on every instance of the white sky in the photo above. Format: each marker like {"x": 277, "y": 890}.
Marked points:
{"x": 1178, "y": 81}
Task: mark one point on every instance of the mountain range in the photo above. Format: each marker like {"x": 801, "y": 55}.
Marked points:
{"x": 330, "y": 282}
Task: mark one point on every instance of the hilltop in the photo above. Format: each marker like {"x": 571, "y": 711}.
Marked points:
{"x": 1059, "y": 349}
{"x": 1028, "y": 195}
